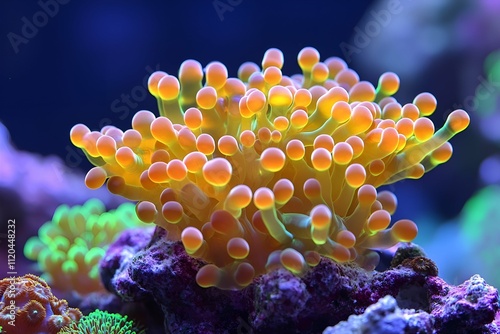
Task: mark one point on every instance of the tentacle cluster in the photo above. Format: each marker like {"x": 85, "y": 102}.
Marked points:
{"x": 103, "y": 322}
{"x": 267, "y": 170}
{"x": 69, "y": 247}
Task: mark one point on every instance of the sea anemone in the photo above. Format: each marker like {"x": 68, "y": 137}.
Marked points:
{"x": 267, "y": 170}
{"x": 69, "y": 247}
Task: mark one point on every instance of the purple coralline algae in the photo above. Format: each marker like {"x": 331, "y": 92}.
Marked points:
{"x": 465, "y": 308}
{"x": 385, "y": 317}
{"x": 119, "y": 256}
{"x": 408, "y": 298}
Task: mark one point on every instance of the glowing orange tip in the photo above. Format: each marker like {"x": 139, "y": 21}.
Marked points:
{"x": 191, "y": 238}
{"x": 458, "y": 120}
{"x": 217, "y": 172}
{"x": 307, "y": 58}
{"x": 77, "y": 134}
{"x": 168, "y": 87}
{"x": 273, "y": 57}
{"x": 292, "y": 260}
{"x": 216, "y": 74}
{"x": 146, "y": 211}
{"x": 321, "y": 159}
{"x": 240, "y": 196}
{"x": 95, "y": 178}
{"x": 283, "y": 191}
{"x": 321, "y": 216}
{"x": 404, "y": 230}
{"x": 153, "y": 81}
{"x": 355, "y": 175}
{"x": 272, "y": 159}
{"x": 263, "y": 198}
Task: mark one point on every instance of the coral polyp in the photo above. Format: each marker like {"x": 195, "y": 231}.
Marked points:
{"x": 102, "y": 322}
{"x": 27, "y": 305}
{"x": 266, "y": 170}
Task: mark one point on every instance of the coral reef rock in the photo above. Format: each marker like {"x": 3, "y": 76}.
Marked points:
{"x": 161, "y": 272}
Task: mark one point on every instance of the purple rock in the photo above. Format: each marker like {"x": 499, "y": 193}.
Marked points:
{"x": 385, "y": 317}
{"x": 113, "y": 267}
{"x": 140, "y": 268}
{"x": 279, "y": 299}
{"x": 103, "y": 301}
{"x": 168, "y": 273}
{"x": 466, "y": 308}
{"x": 332, "y": 289}
{"x": 403, "y": 283}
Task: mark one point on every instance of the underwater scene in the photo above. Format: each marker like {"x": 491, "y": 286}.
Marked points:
{"x": 236, "y": 166}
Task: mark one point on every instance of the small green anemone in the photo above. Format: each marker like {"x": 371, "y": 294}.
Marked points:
{"x": 69, "y": 247}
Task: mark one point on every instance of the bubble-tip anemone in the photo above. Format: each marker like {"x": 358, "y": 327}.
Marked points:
{"x": 267, "y": 170}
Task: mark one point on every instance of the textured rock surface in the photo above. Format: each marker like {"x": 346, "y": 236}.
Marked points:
{"x": 280, "y": 302}
{"x": 465, "y": 308}
{"x": 385, "y": 317}
{"x": 119, "y": 255}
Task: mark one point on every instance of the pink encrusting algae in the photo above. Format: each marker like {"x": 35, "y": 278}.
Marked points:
{"x": 266, "y": 170}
